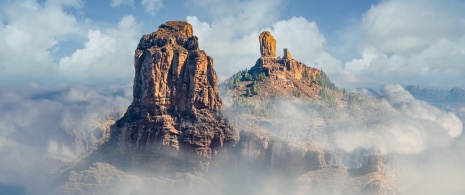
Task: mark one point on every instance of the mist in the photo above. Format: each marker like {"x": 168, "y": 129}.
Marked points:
{"x": 45, "y": 127}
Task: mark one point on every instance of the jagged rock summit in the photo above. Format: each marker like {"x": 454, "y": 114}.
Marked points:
{"x": 269, "y": 62}
{"x": 175, "y": 112}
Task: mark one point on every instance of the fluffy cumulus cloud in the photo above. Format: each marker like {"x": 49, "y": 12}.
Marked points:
{"x": 306, "y": 43}
{"x": 106, "y": 54}
{"x": 232, "y": 36}
{"x": 412, "y": 42}
{"x": 30, "y": 35}
{"x": 31, "y": 43}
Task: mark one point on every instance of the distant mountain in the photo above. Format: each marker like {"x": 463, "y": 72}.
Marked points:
{"x": 454, "y": 95}
{"x": 452, "y": 100}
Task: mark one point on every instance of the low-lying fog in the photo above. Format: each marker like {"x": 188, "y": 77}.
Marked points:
{"x": 45, "y": 127}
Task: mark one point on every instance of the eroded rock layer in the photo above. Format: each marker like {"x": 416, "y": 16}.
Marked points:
{"x": 175, "y": 109}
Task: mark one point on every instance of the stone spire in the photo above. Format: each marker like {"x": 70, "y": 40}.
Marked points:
{"x": 267, "y": 44}
{"x": 175, "y": 110}
{"x": 287, "y": 54}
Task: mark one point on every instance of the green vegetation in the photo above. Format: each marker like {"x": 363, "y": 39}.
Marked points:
{"x": 232, "y": 81}
{"x": 324, "y": 81}
{"x": 239, "y": 77}
{"x": 296, "y": 93}
{"x": 258, "y": 107}
{"x": 247, "y": 77}
{"x": 255, "y": 88}
{"x": 329, "y": 97}
{"x": 260, "y": 77}
{"x": 249, "y": 92}
{"x": 307, "y": 75}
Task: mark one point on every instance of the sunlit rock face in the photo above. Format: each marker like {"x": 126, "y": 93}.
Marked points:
{"x": 267, "y": 44}
{"x": 175, "y": 113}
{"x": 270, "y": 64}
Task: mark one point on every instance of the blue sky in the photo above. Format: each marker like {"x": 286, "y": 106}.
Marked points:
{"x": 358, "y": 43}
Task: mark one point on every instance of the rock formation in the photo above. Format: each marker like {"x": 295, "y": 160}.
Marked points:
{"x": 287, "y": 54}
{"x": 175, "y": 125}
{"x": 269, "y": 63}
{"x": 267, "y": 44}
{"x": 175, "y": 109}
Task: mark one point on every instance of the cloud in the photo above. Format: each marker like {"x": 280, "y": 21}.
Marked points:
{"x": 231, "y": 38}
{"x": 106, "y": 54}
{"x": 306, "y": 44}
{"x": 405, "y": 126}
{"x": 117, "y": 3}
{"x": 42, "y": 127}
{"x": 30, "y": 35}
{"x": 406, "y": 26}
{"x": 152, "y": 6}
{"x": 411, "y": 42}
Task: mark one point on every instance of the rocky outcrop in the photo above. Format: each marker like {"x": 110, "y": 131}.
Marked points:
{"x": 287, "y": 54}
{"x": 175, "y": 112}
{"x": 267, "y": 44}
{"x": 269, "y": 63}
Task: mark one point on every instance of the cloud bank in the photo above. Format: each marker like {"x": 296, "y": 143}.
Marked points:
{"x": 411, "y": 42}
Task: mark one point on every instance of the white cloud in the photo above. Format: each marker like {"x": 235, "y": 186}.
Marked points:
{"x": 117, "y": 3}
{"x": 412, "y": 42}
{"x": 152, "y": 6}
{"x": 397, "y": 26}
{"x": 106, "y": 54}
{"x": 407, "y": 126}
{"x": 29, "y": 33}
{"x": 305, "y": 42}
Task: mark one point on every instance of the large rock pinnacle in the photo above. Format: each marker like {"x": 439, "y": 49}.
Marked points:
{"x": 267, "y": 44}
{"x": 175, "y": 111}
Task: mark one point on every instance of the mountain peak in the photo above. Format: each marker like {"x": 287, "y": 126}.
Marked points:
{"x": 170, "y": 33}
{"x": 175, "y": 110}
{"x": 181, "y": 27}
{"x": 269, "y": 63}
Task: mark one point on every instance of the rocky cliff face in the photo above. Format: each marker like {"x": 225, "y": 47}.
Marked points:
{"x": 175, "y": 111}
